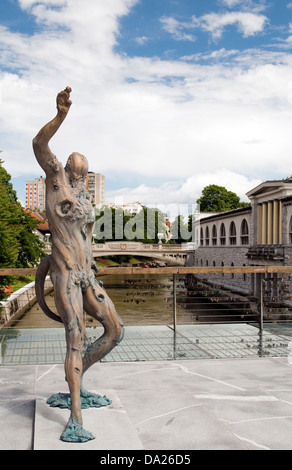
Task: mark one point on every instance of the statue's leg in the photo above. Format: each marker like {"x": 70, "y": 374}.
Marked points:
{"x": 97, "y": 304}
{"x": 70, "y": 308}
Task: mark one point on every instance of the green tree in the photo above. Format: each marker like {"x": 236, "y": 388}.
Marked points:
{"x": 117, "y": 224}
{"x": 218, "y": 199}
{"x": 20, "y": 247}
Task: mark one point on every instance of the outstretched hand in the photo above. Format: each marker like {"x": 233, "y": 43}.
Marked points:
{"x": 63, "y": 100}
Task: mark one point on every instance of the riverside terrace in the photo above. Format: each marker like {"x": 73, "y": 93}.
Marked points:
{"x": 204, "y": 387}
{"x": 242, "y": 336}
{"x": 12, "y": 306}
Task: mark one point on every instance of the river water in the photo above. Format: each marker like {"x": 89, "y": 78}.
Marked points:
{"x": 143, "y": 300}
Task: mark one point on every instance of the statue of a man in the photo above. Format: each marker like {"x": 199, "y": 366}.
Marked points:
{"x": 71, "y": 220}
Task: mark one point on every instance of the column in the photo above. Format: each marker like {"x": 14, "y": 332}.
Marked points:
{"x": 264, "y": 223}
{"x": 276, "y": 222}
{"x": 270, "y": 223}
{"x": 259, "y": 224}
{"x": 280, "y": 222}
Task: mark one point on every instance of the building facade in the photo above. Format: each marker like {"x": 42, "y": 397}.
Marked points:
{"x": 35, "y": 194}
{"x": 259, "y": 235}
{"x": 95, "y": 185}
{"x": 35, "y": 191}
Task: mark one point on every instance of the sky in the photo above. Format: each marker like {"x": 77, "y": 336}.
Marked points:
{"x": 168, "y": 96}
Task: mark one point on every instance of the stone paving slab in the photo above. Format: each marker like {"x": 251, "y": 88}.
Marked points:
{"x": 110, "y": 425}
{"x": 201, "y": 404}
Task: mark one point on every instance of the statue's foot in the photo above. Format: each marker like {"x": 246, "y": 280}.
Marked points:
{"x": 88, "y": 400}
{"x": 74, "y": 432}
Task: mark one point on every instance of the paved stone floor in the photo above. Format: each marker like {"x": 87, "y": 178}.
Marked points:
{"x": 207, "y": 387}
{"x": 195, "y": 404}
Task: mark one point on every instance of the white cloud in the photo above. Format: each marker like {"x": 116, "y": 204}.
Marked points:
{"x": 246, "y": 5}
{"x": 186, "y": 192}
{"x": 248, "y": 24}
{"x": 141, "y": 40}
{"x": 231, "y": 3}
{"x": 175, "y": 28}
{"x": 151, "y": 118}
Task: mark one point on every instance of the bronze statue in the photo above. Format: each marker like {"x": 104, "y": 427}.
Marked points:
{"x": 71, "y": 219}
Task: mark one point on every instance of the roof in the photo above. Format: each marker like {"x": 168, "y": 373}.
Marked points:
{"x": 221, "y": 215}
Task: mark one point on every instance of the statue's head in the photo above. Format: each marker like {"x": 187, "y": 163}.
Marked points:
{"x": 76, "y": 167}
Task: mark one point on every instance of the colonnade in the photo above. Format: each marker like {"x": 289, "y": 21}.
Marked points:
{"x": 269, "y": 223}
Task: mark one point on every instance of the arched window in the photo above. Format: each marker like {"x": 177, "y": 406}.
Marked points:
{"x": 222, "y": 235}
{"x": 244, "y": 233}
{"x": 202, "y": 236}
{"x": 232, "y": 234}
{"x": 232, "y": 274}
{"x": 214, "y": 235}
{"x": 244, "y": 275}
{"x": 207, "y": 236}
{"x": 290, "y": 231}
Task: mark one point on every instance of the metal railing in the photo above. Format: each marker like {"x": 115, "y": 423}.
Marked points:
{"x": 261, "y": 312}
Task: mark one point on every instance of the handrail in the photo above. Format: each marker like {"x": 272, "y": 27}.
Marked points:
{"x": 168, "y": 270}
{"x": 174, "y": 271}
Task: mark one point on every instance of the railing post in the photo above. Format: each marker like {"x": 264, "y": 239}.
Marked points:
{"x": 174, "y": 302}
{"x": 261, "y": 303}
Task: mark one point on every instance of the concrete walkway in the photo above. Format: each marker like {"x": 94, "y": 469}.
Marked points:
{"x": 200, "y": 404}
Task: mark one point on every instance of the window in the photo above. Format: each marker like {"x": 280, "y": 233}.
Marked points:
{"x": 290, "y": 231}
{"x": 207, "y": 236}
{"x": 222, "y": 235}
{"x": 202, "y": 236}
{"x": 214, "y": 235}
{"x": 244, "y": 233}
{"x": 244, "y": 275}
{"x": 232, "y": 234}
{"x": 232, "y": 274}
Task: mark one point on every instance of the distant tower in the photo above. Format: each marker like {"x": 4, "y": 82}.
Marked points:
{"x": 35, "y": 194}
{"x": 95, "y": 184}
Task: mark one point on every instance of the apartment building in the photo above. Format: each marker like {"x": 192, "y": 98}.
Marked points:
{"x": 95, "y": 185}
{"x": 35, "y": 191}
{"x": 35, "y": 194}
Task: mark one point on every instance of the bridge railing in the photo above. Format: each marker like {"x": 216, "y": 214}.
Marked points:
{"x": 128, "y": 246}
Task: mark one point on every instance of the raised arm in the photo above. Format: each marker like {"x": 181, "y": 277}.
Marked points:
{"x": 42, "y": 151}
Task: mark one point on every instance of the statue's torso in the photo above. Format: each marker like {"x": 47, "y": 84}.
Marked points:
{"x": 71, "y": 220}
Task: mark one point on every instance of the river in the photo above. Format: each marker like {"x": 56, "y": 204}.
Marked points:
{"x": 143, "y": 300}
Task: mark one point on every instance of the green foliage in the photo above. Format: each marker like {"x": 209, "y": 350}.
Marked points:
{"x": 20, "y": 247}
{"x": 116, "y": 224}
{"x": 218, "y": 199}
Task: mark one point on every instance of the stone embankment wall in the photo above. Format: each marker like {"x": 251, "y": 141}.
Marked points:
{"x": 20, "y": 302}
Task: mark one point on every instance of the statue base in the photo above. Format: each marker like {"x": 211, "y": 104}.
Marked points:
{"x": 74, "y": 432}
{"x": 88, "y": 400}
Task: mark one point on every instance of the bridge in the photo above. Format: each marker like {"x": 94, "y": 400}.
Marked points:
{"x": 169, "y": 253}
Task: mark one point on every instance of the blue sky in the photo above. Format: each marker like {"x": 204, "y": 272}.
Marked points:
{"x": 168, "y": 96}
